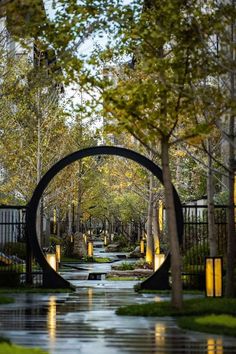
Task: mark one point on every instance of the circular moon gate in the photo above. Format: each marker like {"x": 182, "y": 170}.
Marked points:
{"x": 50, "y": 277}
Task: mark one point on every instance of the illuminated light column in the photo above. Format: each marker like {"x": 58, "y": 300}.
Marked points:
{"x": 158, "y": 260}
{"x": 105, "y": 240}
{"x": 58, "y": 253}
{"x": 52, "y": 260}
{"x": 160, "y": 215}
{"x": 90, "y": 249}
{"x": 213, "y": 274}
{"x": 142, "y": 247}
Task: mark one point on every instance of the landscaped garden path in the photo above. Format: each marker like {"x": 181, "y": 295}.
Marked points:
{"x": 85, "y": 322}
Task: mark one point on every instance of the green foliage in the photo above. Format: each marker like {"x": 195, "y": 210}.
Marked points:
{"x": 122, "y": 241}
{"x": 217, "y": 324}
{"x": 124, "y": 266}
{"x": 140, "y": 264}
{"x": 221, "y": 198}
{"x": 15, "y": 248}
{"x": 53, "y": 240}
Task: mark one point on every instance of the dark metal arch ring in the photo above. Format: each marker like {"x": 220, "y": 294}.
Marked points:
{"x": 51, "y": 277}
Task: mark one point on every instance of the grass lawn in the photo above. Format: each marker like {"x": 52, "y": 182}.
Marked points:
{"x": 6, "y": 300}
{"x": 124, "y": 278}
{"x": 204, "y": 314}
{"x": 25, "y": 289}
{"x": 6, "y": 348}
{"x": 86, "y": 260}
{"x": 218, "y": 324}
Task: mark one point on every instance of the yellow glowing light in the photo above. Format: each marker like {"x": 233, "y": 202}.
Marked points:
{"x": 90, "y": 298}
{"x": 90, "y": 249}
{"x": 218, "y": 277}
{"x": 213, "y": 272}
{"x": 158, "y": 260}
{"x": 105, "y": 240}
{"x": 160, "y": 331}
{"x": 71, "y": 238}
{"x": 214, "y": 346}
{"x": 52, "y": 260}
{"x": 58, "y": 253}
{"x": 142, "y": 250}
{"x": 51, "y": 319}
{"x": 149, "y": 256}
{"x": 160, "y": 215}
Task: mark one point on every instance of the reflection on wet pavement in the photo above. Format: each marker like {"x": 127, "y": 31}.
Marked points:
{"x": 85, "y": 322}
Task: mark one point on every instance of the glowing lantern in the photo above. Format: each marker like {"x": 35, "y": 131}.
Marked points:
{"x": 213, "y": 273}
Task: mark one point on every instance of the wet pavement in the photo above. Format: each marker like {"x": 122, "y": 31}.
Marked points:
{"x": 85, "y": 322}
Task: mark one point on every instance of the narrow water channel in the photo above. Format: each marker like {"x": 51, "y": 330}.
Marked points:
{"x": 85, "y": 322}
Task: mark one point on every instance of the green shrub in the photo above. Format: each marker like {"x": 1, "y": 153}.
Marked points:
{"x": 53, "y": 240}
{"x": 124, "y": 266}
{"x": 15, "y": 248}
{"x": 123, "y": 242}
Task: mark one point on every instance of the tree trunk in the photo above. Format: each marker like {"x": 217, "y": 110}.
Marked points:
{"x": 79, "y": 196}
{"x": 177, "y": 296}
{"x": 156, "y": 234}
{"x": 231, "y": 248}
{"x": 70, "y": 220}
{"x": 150, "y": 243}
{"x": 229, "y": 289}
{"x": 210, "y": 205}
{"x": 39, "y": 172}
{"x": 58, "y": 223}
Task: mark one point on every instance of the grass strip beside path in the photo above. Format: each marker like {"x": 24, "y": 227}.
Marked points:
{"x": 6, "y": 300}
{"x": 6, "y": 348}
{"x": 191, "y": 307}
{"x": 217, "y": 324}
{"x": 211, "y": 315}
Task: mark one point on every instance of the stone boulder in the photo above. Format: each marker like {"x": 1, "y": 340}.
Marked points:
{"x": 112, "y": 247}
{"x": 79, "y": 247}
{"x": 135, "y": 253}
